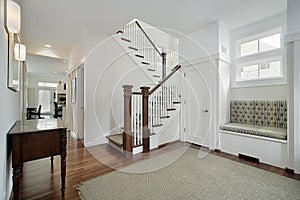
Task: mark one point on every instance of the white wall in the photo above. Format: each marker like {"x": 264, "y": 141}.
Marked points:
{"x": 293, "y": 39}
{"x": 297, "y": 105}
{"x": 274, "y": 92}
{"x": 9, "y": 107}
{"x": 293, "y": 17}
{"x": 224, "y": 42}
{"x": 86, "y": 41}
{"x": 198, "y": 44}
{"x": 224, "y": 92}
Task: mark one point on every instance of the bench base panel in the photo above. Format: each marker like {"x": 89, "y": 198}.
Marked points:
{"x": 269, "y": 151}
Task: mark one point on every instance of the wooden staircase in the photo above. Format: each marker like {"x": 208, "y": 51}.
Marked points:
{"x": 147, "y": 111}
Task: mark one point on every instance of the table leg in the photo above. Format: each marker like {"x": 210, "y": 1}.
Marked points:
{"x": 63, "y": 162}
{"x": 51, "y": 161}
{"x": 16, "y": 180}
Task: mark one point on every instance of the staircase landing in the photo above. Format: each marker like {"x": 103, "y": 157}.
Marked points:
{"x": 116, "y": 139}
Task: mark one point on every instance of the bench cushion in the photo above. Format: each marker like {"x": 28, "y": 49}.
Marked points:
{"x": 266, "y": 131}
{"x": 264, "y": 113}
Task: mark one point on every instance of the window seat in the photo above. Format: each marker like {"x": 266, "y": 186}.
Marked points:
{"x": 258, "y": 130}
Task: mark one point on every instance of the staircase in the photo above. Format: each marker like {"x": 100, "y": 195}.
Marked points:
{"x": 146, "y": 112}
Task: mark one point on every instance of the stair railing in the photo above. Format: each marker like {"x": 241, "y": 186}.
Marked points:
{"x": 143, "y": 111}
{"x": 146, "y": 49}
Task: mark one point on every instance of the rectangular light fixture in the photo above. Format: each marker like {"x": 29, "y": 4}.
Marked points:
{"x": 13, "y": 17}
{"x": 20, "y": 52}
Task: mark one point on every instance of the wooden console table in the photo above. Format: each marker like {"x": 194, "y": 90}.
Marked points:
{"x": 35, "y": 139}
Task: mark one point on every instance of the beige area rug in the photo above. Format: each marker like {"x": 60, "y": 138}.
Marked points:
{"x": 190, "y": 177}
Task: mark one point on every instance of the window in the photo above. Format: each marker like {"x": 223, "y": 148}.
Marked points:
{"x": 260, "y": 45}
{"x": 259, "y": 60}
{"x": 262, "y": 70}
{"x": 46, "y": 84}
{"x": 44, "y": 99}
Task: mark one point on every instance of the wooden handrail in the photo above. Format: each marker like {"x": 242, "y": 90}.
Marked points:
{"x": 175, "y": 69}
{"x": 138, "y": 24}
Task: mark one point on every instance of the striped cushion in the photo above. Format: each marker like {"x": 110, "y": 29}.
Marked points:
{"x": 266, "y": 131}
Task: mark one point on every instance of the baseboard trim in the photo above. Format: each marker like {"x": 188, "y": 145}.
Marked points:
{"x": 218, "y": 150}
{"x": 167, "y": 143}
{"x": 290, "y": 171}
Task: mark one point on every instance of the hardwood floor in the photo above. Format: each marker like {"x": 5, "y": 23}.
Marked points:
{"x": 40, "y": 181}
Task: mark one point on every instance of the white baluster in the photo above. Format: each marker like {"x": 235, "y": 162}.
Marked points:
{"x": 141, "y": 121}
{"x": 134, "y": 118}
{"x": 132, "y": 114}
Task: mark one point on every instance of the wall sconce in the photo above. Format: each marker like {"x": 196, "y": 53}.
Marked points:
{"x": 20, "y": 52}
{"x": 13, "y": 17}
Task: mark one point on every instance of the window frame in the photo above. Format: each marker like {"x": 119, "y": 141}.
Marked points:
{"x": 258, "y": 37}
{"x": 258, "y": 58}
{"x": 258, "y": 62}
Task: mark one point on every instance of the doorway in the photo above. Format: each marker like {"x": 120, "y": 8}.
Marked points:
{"x": 45, "y": 98}
{"x": 76, "y": 104}
{"x": 80, "y": 103}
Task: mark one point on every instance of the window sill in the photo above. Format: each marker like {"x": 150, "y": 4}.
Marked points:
{"x": 260, "y": 56}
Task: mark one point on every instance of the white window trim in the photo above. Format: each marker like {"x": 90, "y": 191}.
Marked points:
{"x": 256, "y": 58}
{"x": 256, "y": 37}
{"x": 254, "y": 62}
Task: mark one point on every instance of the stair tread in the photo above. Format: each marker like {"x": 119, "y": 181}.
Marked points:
{"x": 133, "y": 48}
{"x": 117, "y": 139}
{"x": 138, "y": 55}
{"x": 176, "y": 102}
{"x": 157, "y": 125}
{"x": 171, "y": 109}
{"x": 157, "y": 76}
{"x": 164, "y": 117}
{"x": 125, "y": 39}
{"x": 152, "y": 70}
{"x": 145, "y": 63}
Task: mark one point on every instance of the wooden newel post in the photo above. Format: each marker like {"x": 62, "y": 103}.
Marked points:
{"x": 146, "y": 131}
{"x": 127, "y": 134}
{"x": 164, "y": 65}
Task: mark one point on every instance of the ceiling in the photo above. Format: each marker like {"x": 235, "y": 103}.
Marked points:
{"x": 60, "y": 22}
{"x": 46, "y": 68}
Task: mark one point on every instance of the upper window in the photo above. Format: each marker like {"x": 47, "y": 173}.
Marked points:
{"x": 47, "y": 84}
{"x": 259, "y": 45}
